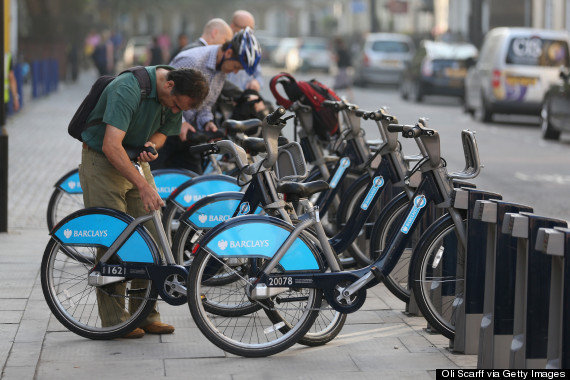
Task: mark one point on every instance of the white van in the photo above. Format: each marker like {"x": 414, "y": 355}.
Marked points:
{"x": 515, "y": 68}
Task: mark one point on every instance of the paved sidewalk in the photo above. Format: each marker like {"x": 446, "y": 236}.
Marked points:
{"x": 378, "y": 341}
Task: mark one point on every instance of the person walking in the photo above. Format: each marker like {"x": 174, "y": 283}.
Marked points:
{"x": 108, "y": 177}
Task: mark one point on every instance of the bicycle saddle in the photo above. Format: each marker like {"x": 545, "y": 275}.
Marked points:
{"x": 244, "y": 126}
{"x": 256, "y": 145}
{"x": 302, "y": 189}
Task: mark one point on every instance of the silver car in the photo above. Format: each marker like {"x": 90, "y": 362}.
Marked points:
{"x": 383, "y": 59}
{"x": 516, "y": 67}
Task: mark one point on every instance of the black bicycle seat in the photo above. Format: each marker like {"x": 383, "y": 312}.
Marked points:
{"x": 246, "y": 126}
{"x": 302, "y": 189}
{"x": 253, "y": 145}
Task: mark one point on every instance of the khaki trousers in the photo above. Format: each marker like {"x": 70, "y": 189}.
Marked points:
{"x": 105, "y": 186}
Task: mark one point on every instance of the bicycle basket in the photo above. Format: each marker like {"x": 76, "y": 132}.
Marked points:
{"x": 290, "y": 165}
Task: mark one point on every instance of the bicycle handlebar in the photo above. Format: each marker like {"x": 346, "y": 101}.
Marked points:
{"x": 204, "y": 149}
{"x": 411, "y": 131}
{"x": 274, "y": 118}
{"x": 134, "y": 153}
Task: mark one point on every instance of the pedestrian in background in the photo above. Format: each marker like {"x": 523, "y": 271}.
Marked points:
{"x": 343, "y": 78}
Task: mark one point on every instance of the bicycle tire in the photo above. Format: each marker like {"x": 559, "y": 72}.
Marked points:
{"x": 328, "y": 323}
{"x": 436, "y": 282}
{"x": 60, "y": 274}
{"x": 256, "y": 335}
{"x": 387, "y": 225}
{"x": 61, "y": 203}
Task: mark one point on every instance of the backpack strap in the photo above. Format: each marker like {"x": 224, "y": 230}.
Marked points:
{"x": 143, "y": 78}
{"x": 281, "y": 78}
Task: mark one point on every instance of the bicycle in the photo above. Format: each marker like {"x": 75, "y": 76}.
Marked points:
{"x": 272, "y": 274}
{"x": 131, "y": 259}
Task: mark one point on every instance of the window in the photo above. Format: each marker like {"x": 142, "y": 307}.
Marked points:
{"x": 536, "y": 51}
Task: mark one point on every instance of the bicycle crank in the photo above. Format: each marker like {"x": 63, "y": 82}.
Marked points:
{"x": 343, "y": 302}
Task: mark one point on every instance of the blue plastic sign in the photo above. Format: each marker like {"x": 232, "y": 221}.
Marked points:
{"x": 378, "y": 182}
{"x": 344, "y": 163}
{"x": 419, "y": 203}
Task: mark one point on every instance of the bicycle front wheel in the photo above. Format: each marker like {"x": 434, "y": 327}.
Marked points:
{"x": 437, "y": 278}
{"x": 95, "y": 312}
{"x": 253, "y": 334}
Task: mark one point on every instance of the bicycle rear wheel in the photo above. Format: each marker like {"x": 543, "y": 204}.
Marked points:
{"x": 253, "y": 334}
{"x": 79, "y": 306}
{"x": 437, "y": 282}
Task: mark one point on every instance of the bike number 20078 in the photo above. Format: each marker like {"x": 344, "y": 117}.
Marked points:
{"x": 280, "y": 281}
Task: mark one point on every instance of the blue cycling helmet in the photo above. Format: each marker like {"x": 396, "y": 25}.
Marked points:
{"x": 245, "y": 46}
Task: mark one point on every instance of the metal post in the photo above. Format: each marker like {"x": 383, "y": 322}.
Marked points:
{"x": 3, "y": 138}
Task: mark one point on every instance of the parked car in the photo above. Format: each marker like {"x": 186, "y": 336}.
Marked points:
{"x": 383, "y": 58}
{"x": 279, "y": 56}
{"x": 268, "y": 46}
{"x": 437, "y": 68}
{"x": 516, "y": 66}
{"x": 311, "y": 54}
{"x": 555, "y": 112}
{"x": 137, "y": 51}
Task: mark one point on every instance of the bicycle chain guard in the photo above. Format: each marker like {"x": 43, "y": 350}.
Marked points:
{"x": 171, "y": 284}
{"x": 344, "y": 304}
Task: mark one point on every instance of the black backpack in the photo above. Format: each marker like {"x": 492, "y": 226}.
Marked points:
{"x": 79, "y": 121}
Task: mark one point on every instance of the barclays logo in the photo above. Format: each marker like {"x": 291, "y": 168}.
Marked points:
{"x": 203, "y": 218}
{"x": 222, "y": 244}
{"x": 420, "y": 202}
{"x": 84, "y": 233}
{"x": 196, "y": 197}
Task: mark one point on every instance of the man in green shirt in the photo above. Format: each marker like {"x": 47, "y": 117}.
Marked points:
{"x": 108, "y": 177}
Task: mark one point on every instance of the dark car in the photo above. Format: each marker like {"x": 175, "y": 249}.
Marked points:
{"x": 437, "y": 68}
{"x": 555, "y": 113}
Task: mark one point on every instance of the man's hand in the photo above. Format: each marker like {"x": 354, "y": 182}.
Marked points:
{"x": 253, "y": 85}
{"x": 184, "y": 130}
{"x": 210, "y": 126}
{"x": 150, "y": 198}
{"x": 146, "y": 156}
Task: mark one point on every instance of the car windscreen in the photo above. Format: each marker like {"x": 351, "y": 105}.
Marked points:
{"x": 536, "y": 51}
{"x": 390, "y": 47}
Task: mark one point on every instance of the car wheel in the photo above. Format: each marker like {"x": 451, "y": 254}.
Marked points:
{"x": 548, "y": 131}
{"x": 416, "y": 93}
{"x": 482, "y": 113}
{"x": 404, "y": 90}
{"x": 466, "y": 107}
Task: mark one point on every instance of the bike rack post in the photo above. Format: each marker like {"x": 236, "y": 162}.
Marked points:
{"x": 496, "y": 332}
{"x": 532, "y": 291}
{"x": 556, "y": 243}
{"x": 468, "y": 304}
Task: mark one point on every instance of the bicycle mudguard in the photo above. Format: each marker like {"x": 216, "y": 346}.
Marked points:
{"x": 100, "y": 227}
{"x": 70, "y": 182}
{"x": 168, "y": 180}
{"x": 258, "y": 236}
{"x": 197, "y": 188}
{"x": 214, "y": 209}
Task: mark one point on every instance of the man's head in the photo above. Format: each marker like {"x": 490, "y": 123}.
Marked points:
{"x": 183, "y": 89}
{"x": 242, "y": 52}
{"x": 242, "y": 19}
{"x": 216, "y": 32}
{"x": 182, "y": 40}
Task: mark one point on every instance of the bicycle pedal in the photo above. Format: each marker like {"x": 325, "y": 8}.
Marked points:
{"x": 377, "y": 273}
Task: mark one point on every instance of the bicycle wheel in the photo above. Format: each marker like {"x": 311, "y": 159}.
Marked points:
{"x": 359, "y": 249}
{"x": 61, "y": 204}
{"x": 79, "y": 306}
{"x": 182, "y": 244}
{"x": 437, "y": 281}
{"x": 253, "y": 334}
{"x": 386, "y": 226}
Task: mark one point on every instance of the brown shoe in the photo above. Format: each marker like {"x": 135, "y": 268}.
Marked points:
{"x": 135, "y": 334}
{"x": 158, "y": 328}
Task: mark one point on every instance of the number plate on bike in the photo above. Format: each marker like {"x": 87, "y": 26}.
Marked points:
{"x": 280, "y": 281}
{"x": 114, "y": 270}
